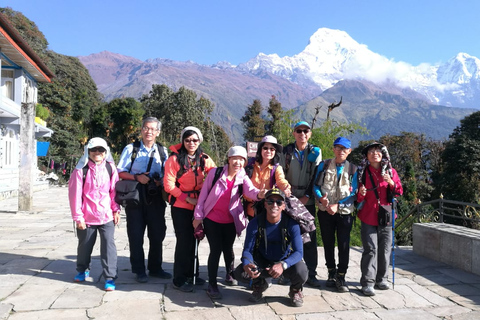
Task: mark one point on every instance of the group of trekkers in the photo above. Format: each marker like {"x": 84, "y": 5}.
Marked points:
{"x": 260, "y": 195}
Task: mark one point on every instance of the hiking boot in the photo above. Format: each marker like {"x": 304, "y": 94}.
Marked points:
{"x": 331, "y": 278}
{"x": 162, "y": 274}
{"x": 296, "y": 297}
{"x": 258, "y": 289}
{"x": 382, "y": 285}
{"x": 368, "y": 291}
{"x": 312, "y": 281}
{"x": 80, "y": 277}
{"x": 283, "y": 281}
{"x": 141, "y": 277}
{"x": 109, "y": 285}
{"x": 198, "y": 281}
{"x": 213, "y": 292}
{"x": 184, "y": 287}
{"x": 230, "y": 280}
{"x": 340, "y": 283}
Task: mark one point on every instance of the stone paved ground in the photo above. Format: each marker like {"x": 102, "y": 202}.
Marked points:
{"x": 37, "y": 265}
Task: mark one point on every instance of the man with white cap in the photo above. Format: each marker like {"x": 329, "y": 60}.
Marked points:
{"x": 299, "y": 161}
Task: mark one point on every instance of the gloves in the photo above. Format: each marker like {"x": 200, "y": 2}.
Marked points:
{"x": 199, "y": 233}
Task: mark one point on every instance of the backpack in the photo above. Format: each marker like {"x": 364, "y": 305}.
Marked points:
{"x": 249, "y": 171}
{"x": 86, "y": 168}
{"x": 289, "y": 150}
{"x": 326, "y": 163}
{"x": 262, "y": 232}
{"x": 163, "y": 157}
{"x": 218, "y": 172}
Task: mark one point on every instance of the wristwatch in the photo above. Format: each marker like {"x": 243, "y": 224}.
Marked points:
{"x": 284, "y": 265}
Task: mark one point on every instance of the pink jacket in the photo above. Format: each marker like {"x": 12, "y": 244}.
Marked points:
{"x": 94, "y": 201}
{"x": 209, "y": 196}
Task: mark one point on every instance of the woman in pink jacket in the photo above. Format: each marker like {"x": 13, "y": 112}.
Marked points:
{"x": 91, "y": 192}
{"x": 220, "y": 209}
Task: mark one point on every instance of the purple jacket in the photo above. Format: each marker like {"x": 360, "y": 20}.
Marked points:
{"x": 208, "y": 196}
{"x": 94, "y": 201}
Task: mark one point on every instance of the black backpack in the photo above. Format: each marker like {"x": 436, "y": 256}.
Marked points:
{"x": 218, "y": 172}
{"x": 86, "y": 168}
{"x": 262, "y": 231}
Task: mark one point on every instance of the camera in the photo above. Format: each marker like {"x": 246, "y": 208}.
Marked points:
{"x": 152, "y": 189}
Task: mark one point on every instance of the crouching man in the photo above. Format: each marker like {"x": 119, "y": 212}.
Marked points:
{"x": 273, "y": 246}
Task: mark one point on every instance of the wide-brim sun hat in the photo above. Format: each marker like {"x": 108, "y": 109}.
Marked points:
{"x": 194, "y": 129}
{"x": 237, "y": 151}
{"x": 273, "y": 141}
{"x": 371, "y": 145}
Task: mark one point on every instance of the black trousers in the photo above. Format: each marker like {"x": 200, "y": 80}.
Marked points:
{"x": 310, "y": 253}
{"x": 152, "y": 217}
{"x": 341, "y": 225}
{"x": 185, "y": 247}
{"x": 220, "y": 239}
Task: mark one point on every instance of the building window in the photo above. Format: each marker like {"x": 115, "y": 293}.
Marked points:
{"x": 7, "y": 83}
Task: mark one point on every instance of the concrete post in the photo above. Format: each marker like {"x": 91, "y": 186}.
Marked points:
{"x": 27, "y": 154}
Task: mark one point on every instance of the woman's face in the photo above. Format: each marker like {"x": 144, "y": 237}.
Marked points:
{"x": 97, "y": 154}
{"x": 191, "y": 143}
{"x": 236, "y": 162}
{"x": 374, "y": 155}
{"x": 268, "y": 151}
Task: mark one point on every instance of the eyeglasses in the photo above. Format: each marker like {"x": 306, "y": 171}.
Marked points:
{"x": 147, "y": 129}
{"x": 299, "y": 131}
{"x": 271, "y": 202}
{"x": 340, "y": 148}
{"x": 267, "y": 148}
{"x": 97, "y": 149}
{"x": 191, "y": 140}
{"x": 372, "y": 151}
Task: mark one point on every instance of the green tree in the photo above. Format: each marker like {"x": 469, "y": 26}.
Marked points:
{"x": 460, "y": 177}
{"x": 276, "y": 112}
{"x": 253, "y": 122}
{"x": 124, "y": 122}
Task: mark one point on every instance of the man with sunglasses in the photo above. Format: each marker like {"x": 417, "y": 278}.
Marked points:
{"x": 299, "y": 161}
{"x": 274, "y": 247}
{"x": 144, "y": 165}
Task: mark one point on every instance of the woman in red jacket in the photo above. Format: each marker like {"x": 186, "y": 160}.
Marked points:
{"x": 185, "y": 171}
{"x": 379, "y": 182}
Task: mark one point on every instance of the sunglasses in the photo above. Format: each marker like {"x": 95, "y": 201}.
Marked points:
{"x": 97, "y": 149}
{"x": 267, "y": 148}
{"x": 191, "y": 140}
{"x": 271, "y": 202}
{"x": 302, "y": 130}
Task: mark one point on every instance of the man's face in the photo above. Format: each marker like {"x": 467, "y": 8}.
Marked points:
{"x": 302, "y": 134}
{"x": 150, "y": 132}
{"x": 274, "y": 205}
{"x": 341, "y": 153}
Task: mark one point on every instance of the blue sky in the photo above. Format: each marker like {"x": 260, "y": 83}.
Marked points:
{"x": 208, "y": 31}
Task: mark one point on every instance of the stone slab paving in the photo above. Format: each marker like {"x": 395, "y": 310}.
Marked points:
{"x": 37, "y": 265}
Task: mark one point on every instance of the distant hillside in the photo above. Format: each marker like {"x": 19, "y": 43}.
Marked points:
{"x": 384, "y": 110}
{"x": 229, "y": 89}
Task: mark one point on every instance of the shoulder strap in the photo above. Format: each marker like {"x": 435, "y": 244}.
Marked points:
{"x": 86, "y": 168}
{"x": 261, "y": 230}
{"x": 272, "y": 175}
{"x": 321, "y": 176}
{"x": 136, "y": 148}
{"x": 287, "y": 151}
{"x": 218, "y": 172}
{"x": 373, "y": 185}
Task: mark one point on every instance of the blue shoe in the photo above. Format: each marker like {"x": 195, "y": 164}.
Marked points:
{"x": 109, "y": 285}
{"x": 80, "y": 277}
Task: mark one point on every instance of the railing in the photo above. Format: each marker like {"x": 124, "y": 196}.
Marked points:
{"x": 440, "y": 210}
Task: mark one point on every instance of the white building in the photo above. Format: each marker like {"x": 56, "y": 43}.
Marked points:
{"x": 22, "y": 70}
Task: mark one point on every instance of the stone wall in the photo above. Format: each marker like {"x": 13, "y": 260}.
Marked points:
{"x": 454, "y": 245}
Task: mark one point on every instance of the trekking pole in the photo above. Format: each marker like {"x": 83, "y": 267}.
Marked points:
{"x": 195, "y": 264}
{"x": 393, "y": 243}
